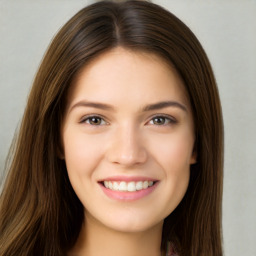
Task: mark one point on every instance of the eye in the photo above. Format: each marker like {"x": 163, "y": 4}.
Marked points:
{"x": 94, "y": 120}
{"x": 161, "y": 120}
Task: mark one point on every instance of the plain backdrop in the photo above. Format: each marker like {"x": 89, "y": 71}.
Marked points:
{"x": 227, "y": 31}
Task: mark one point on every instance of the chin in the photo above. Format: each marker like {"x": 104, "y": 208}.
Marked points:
{"x": 132, "y": 224}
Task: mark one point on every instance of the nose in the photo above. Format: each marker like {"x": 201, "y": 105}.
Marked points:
{"x": 126, "y": 147}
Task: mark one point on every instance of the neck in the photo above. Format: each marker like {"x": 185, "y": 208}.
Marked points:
{"x": 97, "y": 240}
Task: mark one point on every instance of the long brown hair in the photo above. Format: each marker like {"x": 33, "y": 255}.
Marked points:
{"x": 40, "y": 213}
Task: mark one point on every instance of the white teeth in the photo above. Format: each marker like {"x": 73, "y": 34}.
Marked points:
{"x": 115, "y": 186}
{"x": 131, "y": 187}
{"x": 139, "y": 185}
{"x": 128, "y": 186}
{"x": 145, "y": 184}
{"x": 106, "y": 184}
{"x": 123, "y": 186}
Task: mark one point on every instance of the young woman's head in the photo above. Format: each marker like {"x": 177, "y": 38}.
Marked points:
{"x": 125, "y": 99}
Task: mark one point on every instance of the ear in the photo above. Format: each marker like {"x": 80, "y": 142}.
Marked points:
{"x": 59, "y": 150}
{"x": 60, "y": 147}
{"x": 60, "y": 153}
{"x": 193, "y": 158}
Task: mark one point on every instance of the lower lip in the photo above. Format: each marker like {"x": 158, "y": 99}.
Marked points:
{"x": 128, "y": 196}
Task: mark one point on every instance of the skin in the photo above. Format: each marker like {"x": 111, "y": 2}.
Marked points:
{"x": 127, "y": 139}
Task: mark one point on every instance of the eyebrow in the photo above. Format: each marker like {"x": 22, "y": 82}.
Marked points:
{"x": 150, "y": 107}
{"x": 92, "y": 105}
{"x": 164, "y": 104}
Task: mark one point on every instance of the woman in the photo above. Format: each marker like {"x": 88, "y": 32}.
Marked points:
{"x": 120, "y": 151}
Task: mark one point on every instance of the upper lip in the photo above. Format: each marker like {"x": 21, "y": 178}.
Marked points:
{"x": 128, "y": 178}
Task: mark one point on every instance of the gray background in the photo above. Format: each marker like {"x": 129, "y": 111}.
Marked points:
{"x": 226, "y": 29}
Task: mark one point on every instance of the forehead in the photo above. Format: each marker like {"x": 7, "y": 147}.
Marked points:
{"x": 121, "y": 72}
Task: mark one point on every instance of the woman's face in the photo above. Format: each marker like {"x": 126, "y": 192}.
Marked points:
{"x": 128, "y": 138}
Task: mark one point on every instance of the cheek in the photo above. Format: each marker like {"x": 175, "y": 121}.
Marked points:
{"x": 175, "y": 153}
{"x": 82, "y": 153}
{"x": 176, "y": 166}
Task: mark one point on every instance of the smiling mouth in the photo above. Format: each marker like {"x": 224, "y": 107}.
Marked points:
{"x": 131, "y": 186}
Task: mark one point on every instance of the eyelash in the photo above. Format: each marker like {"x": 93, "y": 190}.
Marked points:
{"x": 167, "y": 120}
{"x": 89, "y": 119}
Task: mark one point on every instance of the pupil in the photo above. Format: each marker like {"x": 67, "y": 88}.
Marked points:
{"x": 159, "y": 120}
{"x": 95, "y": 120}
